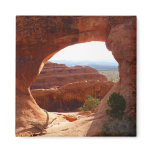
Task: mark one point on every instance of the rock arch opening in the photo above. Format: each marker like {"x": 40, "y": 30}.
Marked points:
{"x": 73, "y": 73}
{"x": 38, "y": 38}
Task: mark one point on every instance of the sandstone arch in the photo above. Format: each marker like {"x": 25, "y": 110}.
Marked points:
{"x": 39, "y": 37}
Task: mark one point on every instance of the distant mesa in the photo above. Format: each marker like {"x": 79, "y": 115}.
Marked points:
{"x": 57, "y": 75}
{"x": 62, "y": 88}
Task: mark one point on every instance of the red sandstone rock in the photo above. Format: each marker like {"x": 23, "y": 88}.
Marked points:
{"x": 70, "y": 117}
{"x": 124, "y": 50}
{"x": 56, "y": 75}
{"x": 71, "y": 96}
{"x": 39, "y": 38}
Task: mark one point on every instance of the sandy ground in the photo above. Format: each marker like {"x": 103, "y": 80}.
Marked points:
{"x": 69, "y": 124}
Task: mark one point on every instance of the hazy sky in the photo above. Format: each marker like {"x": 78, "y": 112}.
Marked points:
{"x": 90, "y": 51}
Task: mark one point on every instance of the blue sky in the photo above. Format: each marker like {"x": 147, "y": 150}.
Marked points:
{"x": 89, "y": 51}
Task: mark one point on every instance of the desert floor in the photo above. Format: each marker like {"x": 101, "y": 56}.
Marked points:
{"x": 112, "y": 75}
{"x": 69, "y": 124}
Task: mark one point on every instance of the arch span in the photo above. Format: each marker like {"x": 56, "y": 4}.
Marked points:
{"x": 38, "y": 38}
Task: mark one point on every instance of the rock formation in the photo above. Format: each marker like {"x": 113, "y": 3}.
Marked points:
{"x": 56, "y": 75}
{"x": 38, "y": 38}
{"x": 71, "y": 96}
{"x": 62, "y": 88}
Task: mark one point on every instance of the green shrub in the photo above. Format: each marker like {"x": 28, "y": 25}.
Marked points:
{"x": 119, "y": 124}
{"x": 116, "y": 127}
{"x": 117, "y": 104}
{"x": 90, "y": 104}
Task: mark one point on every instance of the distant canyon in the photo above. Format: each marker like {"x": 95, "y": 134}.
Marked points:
{"x": 64, "y": 88}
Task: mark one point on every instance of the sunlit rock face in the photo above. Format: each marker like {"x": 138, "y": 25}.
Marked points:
{"x": 70, "y": 96}
{"x": 57, "y": 75}
{"x": 39, "y": 38}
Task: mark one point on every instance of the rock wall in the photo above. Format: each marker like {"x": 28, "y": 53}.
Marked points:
{"x": 38, "y": 38}
{"x": 71, "y": 96}
{"x": 124, "y": 50}
{"x": 57, "y": 75}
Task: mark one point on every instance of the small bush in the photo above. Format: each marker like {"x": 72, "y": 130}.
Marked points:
{"x": 119, "y": 124}
{"x": 90, "y": 104}
{"x": 116, "y": 127}
{"x": 117, "y": 104}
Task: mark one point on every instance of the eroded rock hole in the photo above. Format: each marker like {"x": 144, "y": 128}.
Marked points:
{"x": 73, "y": 73}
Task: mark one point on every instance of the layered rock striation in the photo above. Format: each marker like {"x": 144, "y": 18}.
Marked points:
{"x": 71, "y": 96}
{"x": 57, "y": 75}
